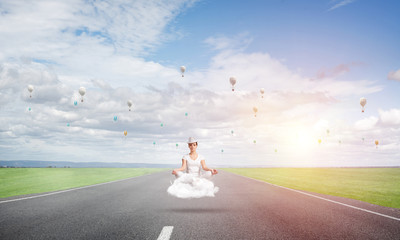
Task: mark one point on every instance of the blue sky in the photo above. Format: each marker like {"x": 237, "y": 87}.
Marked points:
{"x": 315, "y": 60}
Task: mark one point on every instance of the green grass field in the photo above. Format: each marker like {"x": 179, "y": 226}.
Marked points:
{"x": 380, "y": 186}
{"x": 21, "y": 181}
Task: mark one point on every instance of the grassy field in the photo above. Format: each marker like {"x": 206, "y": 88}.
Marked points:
{"x": 21, "y": 181}
{"x": 380, "y": 186}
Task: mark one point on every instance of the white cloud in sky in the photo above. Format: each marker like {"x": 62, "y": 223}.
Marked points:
{"x": 366, "y": 123}
{"x": 394, "y": 75}
{"x": 340, "y": 3}
{"x": 390, "y": 117}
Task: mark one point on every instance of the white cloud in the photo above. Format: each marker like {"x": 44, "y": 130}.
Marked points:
{"x": 390, "y": 117}
{"x": 394, "y": 75}
{"x": 340, "y": 3}
{"x": 366, "y": 123}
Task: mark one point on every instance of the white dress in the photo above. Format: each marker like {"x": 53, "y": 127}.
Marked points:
{"x": 193, "y": 183}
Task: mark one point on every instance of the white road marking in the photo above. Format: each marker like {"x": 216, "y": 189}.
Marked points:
{"x": 165, "y": 233}
{"x": 329, "y": 200}
{"x": 68, "y": 190}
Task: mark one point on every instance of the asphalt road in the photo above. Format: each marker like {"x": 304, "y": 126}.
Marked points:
{"x": 139, "y": 208}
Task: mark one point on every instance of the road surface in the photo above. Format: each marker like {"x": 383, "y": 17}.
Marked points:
{"x": 140, "y": 208}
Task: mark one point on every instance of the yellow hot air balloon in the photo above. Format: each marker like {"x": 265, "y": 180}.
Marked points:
{"x": 376, "y": 143}
{"x": 125, "y": 133}
{"x": 262, "y": 92}
{"x": 255, "y": 109}
{"x": 319, "y": 141}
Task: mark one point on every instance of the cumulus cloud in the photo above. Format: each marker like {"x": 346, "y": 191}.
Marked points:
{"x": 390, "y": 117}
{"x": 394, "y": 75}
{"x": 366, "y": 123}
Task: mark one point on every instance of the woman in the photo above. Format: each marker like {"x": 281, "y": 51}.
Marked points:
{"x": 191, "y": 182}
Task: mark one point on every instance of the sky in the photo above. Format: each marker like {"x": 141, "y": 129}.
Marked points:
{"x": 314, "y": 60}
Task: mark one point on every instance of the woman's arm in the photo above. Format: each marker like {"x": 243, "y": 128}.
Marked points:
{"x": 205, "y": 168}
{"x": 175, "y": 171}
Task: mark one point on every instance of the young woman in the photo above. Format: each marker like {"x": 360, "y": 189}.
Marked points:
{"x": 191, "y": 182}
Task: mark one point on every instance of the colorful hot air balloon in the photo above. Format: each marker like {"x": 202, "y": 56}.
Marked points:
{"x": 162, "y": 125}
{"x": 125, "y": 133}
{"x": 115, "y": 118}
{"x": 255, "y": 109}
{"x": 154, "y": 143}
{"x": 319, "y": 141}
{"x": 376, "y": 143}
{"x": 232, "y": 132}
{"x": 327, "y": 131}
{"x": 30, "y": 89}
{"x": 254, "y": 141}
{"x": 75, "y": 103}
{"x": 183, "y": 69}
{"x": 129, "y": 104}
{"x": 82, "y": 92}
{"x": 232, "y": 80}
{"x": 262, "y": 92}
{"x": 222, "y": 150}
{"x": 177, "y": 145}
{"x": 363, "y": 101}
{"x": 186, "y": 114}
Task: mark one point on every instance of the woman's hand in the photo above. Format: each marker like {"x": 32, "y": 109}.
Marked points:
{"x": 174, "y": 172}
{"x": 214, "y": 171}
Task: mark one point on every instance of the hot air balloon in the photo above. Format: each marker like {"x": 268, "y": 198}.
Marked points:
{"x": 363, "y": 101}
{"x": 125, "y": 133}
{"x": 254, "y": 141}
{"x": 327, "y": 131}
{"x": 376, "y": 143}
{"x": 177, "y": 145}
{"x": 262, "y": 92}
{"x": 183, "y": 68}
{"x": 222, "y": 150}
{"x": 232, "y": 80}
{"x": 115, "y": 118}
{"x": 30, "y": 89}
{"x": 276, "y": 150}
{"x": 319, "y": 141}
{"x": 82, "y": 92}
{"x": 75, "y": 103}
{"x": 162, "y": 125}
{"x": 154, "y": 143}
{"x": 68, "y": 125}
{"x": 232, "y": 132}
{"x": 186, "y": 114}
{"x": 255, "y": 109}
{"x": 29, "y": 109}
{"x": 363, "y": 139}
{"x": 129, "y": 104}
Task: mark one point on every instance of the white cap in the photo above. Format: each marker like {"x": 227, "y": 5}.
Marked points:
{"x": 191, "y": 140}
